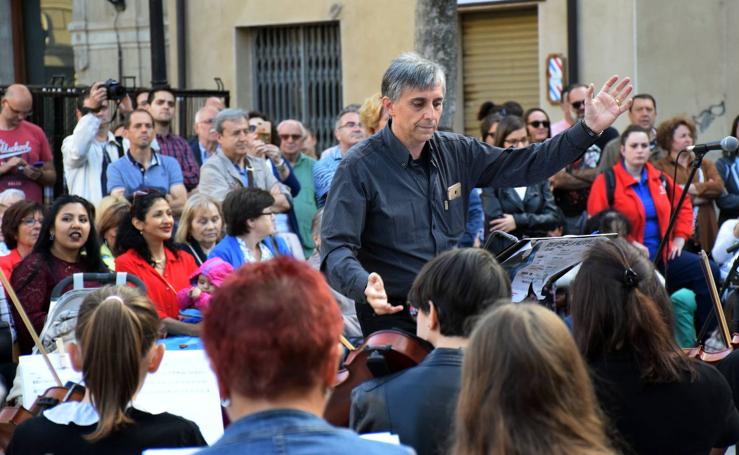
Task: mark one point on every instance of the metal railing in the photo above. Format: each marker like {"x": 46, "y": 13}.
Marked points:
{"x": 54, "y": 110}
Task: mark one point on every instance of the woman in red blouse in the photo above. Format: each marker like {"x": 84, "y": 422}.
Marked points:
{"x": 146, "y": 249}
{"x": 67, "y": 244}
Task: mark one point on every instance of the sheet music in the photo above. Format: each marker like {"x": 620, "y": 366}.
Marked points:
{"x": 541, "y": 259}
{"x": 184, "y": 385}
{"x": 386, "y": 437}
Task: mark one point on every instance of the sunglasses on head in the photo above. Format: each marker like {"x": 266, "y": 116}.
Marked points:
{"x": 539, "y": 123}
{"x": 142, "y": 193}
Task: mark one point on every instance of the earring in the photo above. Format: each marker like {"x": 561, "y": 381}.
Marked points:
{"x": 226, "y": 402}
{"x": 51, "y": 236}
{"x": 141, "y": 233}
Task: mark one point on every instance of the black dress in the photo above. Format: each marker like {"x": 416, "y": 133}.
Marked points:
{"x": 42, "y": 436}
{"x": 687, "y": 417}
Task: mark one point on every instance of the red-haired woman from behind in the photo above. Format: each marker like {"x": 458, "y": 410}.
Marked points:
{"x": 275, "y": 355}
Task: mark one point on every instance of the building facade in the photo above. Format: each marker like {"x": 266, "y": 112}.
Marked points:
{"x": 306, "y": 59}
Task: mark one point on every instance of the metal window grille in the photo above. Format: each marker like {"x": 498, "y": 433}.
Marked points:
{"x": 297, "y": 74}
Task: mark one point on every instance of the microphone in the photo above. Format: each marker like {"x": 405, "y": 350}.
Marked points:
{"x": 727, "y": 144}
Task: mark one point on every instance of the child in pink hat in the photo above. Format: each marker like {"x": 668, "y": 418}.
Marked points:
{"x": 205, "y": 280}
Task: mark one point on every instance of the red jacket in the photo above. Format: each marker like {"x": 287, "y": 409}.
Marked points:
{"x": 626, "y": 201}
{"x": 162, "y": 290}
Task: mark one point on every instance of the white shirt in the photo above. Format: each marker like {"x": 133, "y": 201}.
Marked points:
{"x": 83, "y": 159}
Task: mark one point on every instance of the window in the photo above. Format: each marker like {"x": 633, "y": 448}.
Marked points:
{"x": 297, "y": 74}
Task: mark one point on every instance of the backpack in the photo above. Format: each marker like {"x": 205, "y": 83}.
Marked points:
{"x": 610, "y": 177}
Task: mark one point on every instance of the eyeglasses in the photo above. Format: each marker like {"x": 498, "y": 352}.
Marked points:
{"x": 539, "y": 123}
{"x": 351, "y": 125}
{"x": 578, "y": 104}
{"x": 266, "y": 213}
{"x": 15, "y": 111}
{"x": 31, "y": 221}
{"x": 293, "y": 137}
{"x": 513, "y": 142}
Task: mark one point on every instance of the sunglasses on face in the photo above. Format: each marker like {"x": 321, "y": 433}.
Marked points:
{"x": 578, "y": 104}
{"x": 539, "y": 123}
{"x": 294, "y": 137}
{"x": 16, "y": 111}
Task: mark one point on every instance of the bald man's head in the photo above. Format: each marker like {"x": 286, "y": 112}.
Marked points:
{"x": 16, "y": 106}
{"x": 204, "y": 125}
{"x": 216, "y": 103}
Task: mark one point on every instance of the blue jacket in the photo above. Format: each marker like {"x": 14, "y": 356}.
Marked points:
{"x": 228, "y": 249}
{"x": 284, "y": 431}
{"x": 291, "y": 182}
{"x": 474, "y": 228}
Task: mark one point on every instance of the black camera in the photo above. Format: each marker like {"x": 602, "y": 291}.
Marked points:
{"x": 114, "y": 90}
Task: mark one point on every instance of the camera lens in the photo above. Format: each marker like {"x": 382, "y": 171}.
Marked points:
{"x": 114, "y": 90}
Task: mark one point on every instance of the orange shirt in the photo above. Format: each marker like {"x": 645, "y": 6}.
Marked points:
{"x": 161, "y": 289}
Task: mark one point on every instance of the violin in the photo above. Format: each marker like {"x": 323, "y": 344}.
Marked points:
{"x": 12, "y": 416}
{"x": 383, "y": 352}
{"x": 731, "y": 342}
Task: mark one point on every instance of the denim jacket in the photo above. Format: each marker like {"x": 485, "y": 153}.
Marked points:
{"x": 295, "y": 432}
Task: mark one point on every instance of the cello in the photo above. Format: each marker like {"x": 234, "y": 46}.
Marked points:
{"x": 12, "y": 416}
{"x": 384, "y": 352}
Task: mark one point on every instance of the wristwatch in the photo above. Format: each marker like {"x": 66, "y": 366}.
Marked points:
{"x": 590, "y": 132}
{"x": 84, "y": 110}
{"x": 281, "y": 166}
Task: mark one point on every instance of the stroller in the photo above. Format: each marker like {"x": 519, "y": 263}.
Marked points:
{"x": 64, "y": 306}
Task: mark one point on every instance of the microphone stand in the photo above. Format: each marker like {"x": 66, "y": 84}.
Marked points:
{"x": 695, "y": 165}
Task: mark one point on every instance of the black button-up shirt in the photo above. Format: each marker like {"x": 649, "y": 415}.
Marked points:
{"x": 389, "y": 214}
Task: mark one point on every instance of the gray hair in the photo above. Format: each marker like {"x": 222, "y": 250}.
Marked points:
{"x": 352, "y": 108}
{"x": 202, "y": 110}
{"x": 228, "y": 115}
{"x": 411, "y": 71}
{"x": 303, "y": 131}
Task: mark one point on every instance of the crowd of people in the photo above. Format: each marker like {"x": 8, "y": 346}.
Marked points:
{"x": 270, "y": 252}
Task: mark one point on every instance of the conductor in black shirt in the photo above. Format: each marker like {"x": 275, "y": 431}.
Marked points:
{"x": 400, "y": 197}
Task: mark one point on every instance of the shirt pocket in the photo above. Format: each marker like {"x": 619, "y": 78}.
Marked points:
{"x": 455, "y": 217}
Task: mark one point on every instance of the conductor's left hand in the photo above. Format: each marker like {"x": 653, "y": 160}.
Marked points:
{"x": 603, "y": 109}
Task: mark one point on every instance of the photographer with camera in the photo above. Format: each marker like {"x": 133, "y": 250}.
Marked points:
{"x": 91, "y": 147}
{"x": 25, "y": 156}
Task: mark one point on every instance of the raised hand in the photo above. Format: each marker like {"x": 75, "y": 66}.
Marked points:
{"x": 603, "y": 109}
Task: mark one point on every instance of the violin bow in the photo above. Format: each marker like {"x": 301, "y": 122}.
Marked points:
{"x": 27, "y": 322}
{"x": 346, "y": 343}
{"x": 706, "y": 267}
